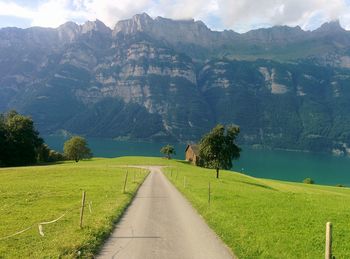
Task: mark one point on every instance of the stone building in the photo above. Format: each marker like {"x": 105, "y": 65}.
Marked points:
{"x": 192, "y": 154}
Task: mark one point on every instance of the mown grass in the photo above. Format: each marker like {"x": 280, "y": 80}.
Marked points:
{"x": 256, "y": 218}
{"x": 30, "y": 195}
{"x": 260, "y": 218}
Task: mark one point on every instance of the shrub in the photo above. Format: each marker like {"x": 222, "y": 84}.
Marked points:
{"x": 55, "y": 156}
{"x": 340, "y": 185}
{"x": 308, "y": 181}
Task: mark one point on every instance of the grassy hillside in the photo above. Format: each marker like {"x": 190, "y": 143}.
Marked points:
{"x": 259, "y": 218}
{"x": 30, "y": 195}
{"x": 256, "y": 218}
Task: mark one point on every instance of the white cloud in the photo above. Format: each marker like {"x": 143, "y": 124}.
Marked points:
{"x": 240, "y": 15}
{"x": 13, "y": 9}
{"x": 56, "y": 12}
{"x": 180, "y": 9}
{"x": 110, "y": 11}
{"x": 246, "y": 14}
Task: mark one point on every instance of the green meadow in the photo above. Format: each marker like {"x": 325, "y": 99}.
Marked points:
{"x": 260, "y": 218}
{"x": 256, "y": 218}
{"x": 31, "y": 195}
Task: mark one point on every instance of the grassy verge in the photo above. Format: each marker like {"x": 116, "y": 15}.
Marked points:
{"x": 259, "y": 218}
{"x": 30, "y": 195}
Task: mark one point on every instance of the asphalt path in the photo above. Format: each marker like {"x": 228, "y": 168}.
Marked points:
{"x": 160, "y": 223}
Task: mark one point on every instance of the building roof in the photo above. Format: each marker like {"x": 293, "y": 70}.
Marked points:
{"x": 195, "y": 149}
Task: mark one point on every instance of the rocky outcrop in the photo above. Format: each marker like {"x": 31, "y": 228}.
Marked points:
{"x": 164, "y": 79}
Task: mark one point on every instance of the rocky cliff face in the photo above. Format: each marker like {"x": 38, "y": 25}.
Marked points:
{"x": 174, "y": 32}
{"x": 162, "y": 79}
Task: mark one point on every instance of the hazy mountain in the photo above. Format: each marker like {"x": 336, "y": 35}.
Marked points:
{"x": 163, "y": 79}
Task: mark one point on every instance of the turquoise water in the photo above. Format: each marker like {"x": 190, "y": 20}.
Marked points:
{"x": 294, "y": 166}
{"x": 113, "y": 148}
{"x": 272, "y": 164}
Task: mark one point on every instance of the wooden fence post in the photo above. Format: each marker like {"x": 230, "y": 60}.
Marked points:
{"x": 184, "y": 181}
{"x": 328, "y": 252}
{"x": 82, "y": 210}
{"x": 134, "y": 177}
{"x": 126, "y": 179}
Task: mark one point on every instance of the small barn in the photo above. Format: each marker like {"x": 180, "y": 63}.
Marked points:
{"x": 192, "y": 154}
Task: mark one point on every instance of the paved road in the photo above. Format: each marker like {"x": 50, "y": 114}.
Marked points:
{"x": 160, "y": 223}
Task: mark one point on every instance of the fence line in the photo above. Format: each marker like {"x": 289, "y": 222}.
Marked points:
{"x": 17, "y": 233}
{"x": 40, "y": 225}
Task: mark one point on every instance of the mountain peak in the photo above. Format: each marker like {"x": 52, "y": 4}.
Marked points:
{"x": 69, "y": 25}
{"x": 139, "y": 22}
{"x": 96, "y": 25}
{"x": 142, "y": 17}
{"x": 279, "y": 33}
{"x": 331, "y": 27}
{"x": 68, "y": 31}
{"x": 170, "y": 30}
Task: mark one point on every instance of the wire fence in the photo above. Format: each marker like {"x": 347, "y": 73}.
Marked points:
{"x": 40, "y": 225}
{"x": 329, "y": 229}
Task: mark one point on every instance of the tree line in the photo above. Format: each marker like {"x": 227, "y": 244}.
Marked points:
{"x": 20, "y": 143}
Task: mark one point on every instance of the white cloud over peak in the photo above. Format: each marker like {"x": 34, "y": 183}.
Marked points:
{"x": 239, "y": 15}
{"x": 247, "y": 14}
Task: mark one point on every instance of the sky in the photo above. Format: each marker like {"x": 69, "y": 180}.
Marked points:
{"x": 238, "y": 15}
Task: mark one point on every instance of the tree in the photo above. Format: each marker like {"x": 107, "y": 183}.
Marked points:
{"x": 76, "y": 149}
{"x": 20, "y": 143}
{"x": 168, "y": 150}
{"x": 218, "y": 148}
{"x": 21, "y": 140}
{"x": 308, "y": 181}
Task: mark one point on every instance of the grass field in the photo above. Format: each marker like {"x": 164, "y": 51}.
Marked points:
{"x": 30, "y": 195}
{"x": 259, "y": 218}
{"x": 256, "y": 218}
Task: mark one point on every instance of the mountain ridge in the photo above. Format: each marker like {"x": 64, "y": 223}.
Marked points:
{"x": 160, "y": 79}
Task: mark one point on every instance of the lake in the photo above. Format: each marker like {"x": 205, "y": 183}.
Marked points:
{"x": 272, "y": 164}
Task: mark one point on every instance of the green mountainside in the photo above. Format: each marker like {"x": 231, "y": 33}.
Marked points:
{"x": 161, "y": 79}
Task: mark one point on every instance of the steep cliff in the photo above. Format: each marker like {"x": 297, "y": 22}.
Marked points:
{"x": 162, "y": 79}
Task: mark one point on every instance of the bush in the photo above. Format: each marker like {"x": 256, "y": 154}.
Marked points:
{"x": 308, "y": 181}
{"x": 55, "y": 156}
{"x": 340, "y": 185}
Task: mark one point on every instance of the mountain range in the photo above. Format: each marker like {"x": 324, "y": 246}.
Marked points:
{"x": 173, "y": 80}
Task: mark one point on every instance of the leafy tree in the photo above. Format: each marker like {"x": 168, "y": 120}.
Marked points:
{"x": 20, "y": 143}
{"x": 21, "y": 140}
{"x": 218, "y": 148}
{"x": 168, "y": 150}
{"x": 76, "y": 149}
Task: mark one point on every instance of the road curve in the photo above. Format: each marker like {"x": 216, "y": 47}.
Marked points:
{"x": 160, "y": 223}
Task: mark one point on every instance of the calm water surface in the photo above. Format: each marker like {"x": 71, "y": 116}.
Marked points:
{"x": 272, "y": 164}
